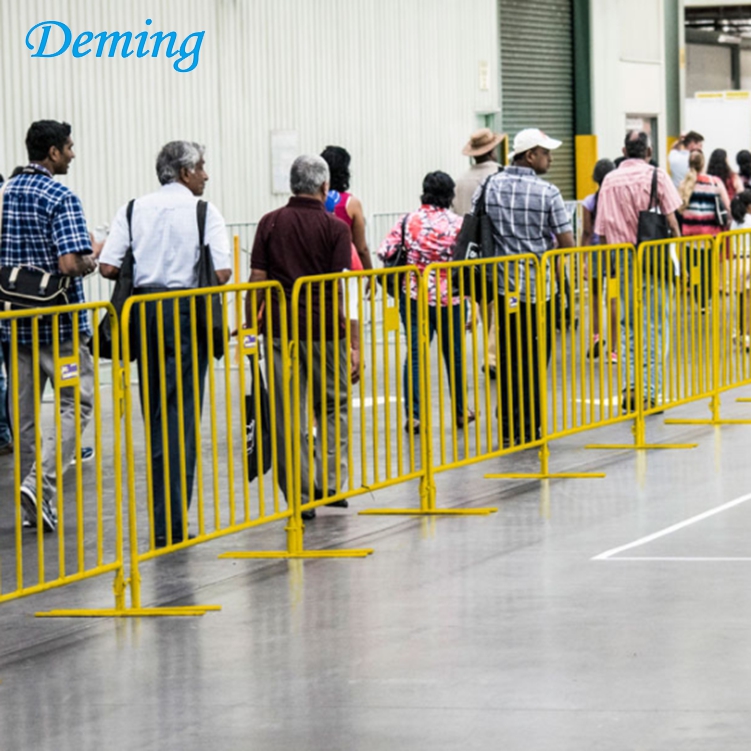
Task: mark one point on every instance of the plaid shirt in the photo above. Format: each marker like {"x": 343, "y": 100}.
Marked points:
{"x": 43, "y": 220}
{"x": 526, "y": 213}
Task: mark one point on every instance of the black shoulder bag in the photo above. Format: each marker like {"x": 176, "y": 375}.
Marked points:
{"x": 653, "y": 225}
{"x": 25, "y": 287}
{"x": 397, "y": 258}
{"x": 122, "y": 291}
{"x": 475, "y": 242}
{"x": 207, "y": 278}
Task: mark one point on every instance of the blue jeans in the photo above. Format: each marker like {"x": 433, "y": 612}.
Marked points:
{"x": 153, "y": 378}
{"x": 5, "y": 435}
{"x": 452, "y": 316}
{"x": 655, "y": 340}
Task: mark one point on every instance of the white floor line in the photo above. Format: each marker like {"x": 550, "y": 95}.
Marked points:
{"x": 676, "y": 558}
{"x": 674, "y": 528}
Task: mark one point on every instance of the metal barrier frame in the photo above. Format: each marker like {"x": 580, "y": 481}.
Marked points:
{"x": 117, "y": 565}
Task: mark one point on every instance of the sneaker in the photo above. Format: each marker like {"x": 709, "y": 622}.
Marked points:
{"x": 596, "y": 349}
{"x": 29, "y": 503}
{"x": 87, "y": 454}
{"x": 411, "y": 426}
{"x": 614, "y": 358}
{"x": 6, "y": 448}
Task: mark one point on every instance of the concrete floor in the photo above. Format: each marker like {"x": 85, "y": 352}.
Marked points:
{"x": 496, "y": 632}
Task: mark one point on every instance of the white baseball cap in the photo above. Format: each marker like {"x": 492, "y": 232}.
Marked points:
{"x": 529, "y": 138}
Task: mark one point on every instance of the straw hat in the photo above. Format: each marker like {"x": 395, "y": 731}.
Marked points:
{"x": 482, "y": 141}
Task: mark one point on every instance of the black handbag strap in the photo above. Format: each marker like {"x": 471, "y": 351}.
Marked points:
{"x": 404, "y": 229}
{"x": 480, "y": 207}
{"x": 129, "y": 217}
{"x": 201, "y": 215}
{"x": 653, "y": 191}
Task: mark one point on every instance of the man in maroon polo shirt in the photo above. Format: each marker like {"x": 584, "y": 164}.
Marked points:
{"x": 303, "y": 239}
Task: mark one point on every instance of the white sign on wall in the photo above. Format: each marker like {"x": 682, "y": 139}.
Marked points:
{"x": 284, "y": 151}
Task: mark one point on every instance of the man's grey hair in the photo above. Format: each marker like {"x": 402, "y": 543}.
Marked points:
{"x": 174, "y": 156}
{"x": 308, "y": 174}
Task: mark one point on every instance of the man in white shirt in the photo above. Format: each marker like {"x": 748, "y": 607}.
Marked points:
{"x": 680, "y": 153}
{"x": 166, "y": 252}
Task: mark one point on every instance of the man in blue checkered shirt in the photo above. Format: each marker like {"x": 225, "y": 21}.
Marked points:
{"x": 43, "y": 226}
{"x": 528, "y": 216}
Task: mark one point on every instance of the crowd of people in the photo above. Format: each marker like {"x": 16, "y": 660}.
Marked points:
{"x": 321, "y": 230}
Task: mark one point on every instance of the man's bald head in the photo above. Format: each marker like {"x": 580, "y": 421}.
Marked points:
{"x": 637, "y": 145}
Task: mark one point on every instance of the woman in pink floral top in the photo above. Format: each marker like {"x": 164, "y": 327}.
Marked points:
{"x": 430, "y": 235}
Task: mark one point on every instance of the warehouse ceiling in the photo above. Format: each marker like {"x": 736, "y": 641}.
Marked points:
{"x": 727, "y": 20}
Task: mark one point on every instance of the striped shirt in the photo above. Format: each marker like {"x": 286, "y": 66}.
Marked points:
{"x": 700, "y": 215}
{"x": 526, "y": 213}
{"x": 43, "y": 220}
{"x": 624, "y": 193}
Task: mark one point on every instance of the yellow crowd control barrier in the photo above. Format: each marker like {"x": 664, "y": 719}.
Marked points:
{"x": 65, "y": 521}
{"x": 174, "y": 337}
{"x": 726, "y": 313}
{"x": 590, "y": 322}
{"x": 492, "y": 334}
{"x": 357, "y": 387}
{"x": 346, "y": 384}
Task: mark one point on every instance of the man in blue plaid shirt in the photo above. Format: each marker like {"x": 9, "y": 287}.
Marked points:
{"x": 43, "y": 226}
{"x": 528, "y": 216}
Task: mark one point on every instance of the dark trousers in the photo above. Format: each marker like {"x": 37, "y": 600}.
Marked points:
{"x": 172, "y": 408}
{"x": 451, "y": 317}
{"x": 518, "y": 370}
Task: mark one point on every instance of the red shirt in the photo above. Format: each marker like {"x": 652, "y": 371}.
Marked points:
{"x": 302, "y": 239}
{"x": 624, "y": 193}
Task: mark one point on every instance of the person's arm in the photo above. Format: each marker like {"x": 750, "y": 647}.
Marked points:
{"x": 354, "y": 209}
{"x": 218, "y": 242}
{"x": 71, "y": 238}
{"x": 115, "y": 246}
{"x": 109, "y": 272}
{"x": 675, "y": 229}
{"x": 256, "y": 275}
{"x": 587, "y": 228}
{"x": 75, "y": 264}
{"x": 724, "y": 197}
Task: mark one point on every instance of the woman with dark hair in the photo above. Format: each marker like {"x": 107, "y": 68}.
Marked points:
{"x": 597, "y": 274}
{"x": 344, "y": 205}
{"x": 700, "y": 215}
{"x": 743, "y": 159}
{"x": 718, "y": 166}
{"x": 430, "y": 235}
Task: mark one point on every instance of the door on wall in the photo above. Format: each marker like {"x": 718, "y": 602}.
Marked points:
{"x": 537, "y": 77}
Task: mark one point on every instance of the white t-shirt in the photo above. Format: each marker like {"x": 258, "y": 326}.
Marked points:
{"x": 678, "y": 161}
{"x": 745, "y": 224}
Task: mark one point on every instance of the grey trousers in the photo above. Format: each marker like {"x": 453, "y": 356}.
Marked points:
{"x": 324, "y": 409}
{"x": 25, "y": 431}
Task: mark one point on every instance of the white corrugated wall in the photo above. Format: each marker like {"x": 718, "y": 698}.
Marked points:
{"x": 395, "y": 82}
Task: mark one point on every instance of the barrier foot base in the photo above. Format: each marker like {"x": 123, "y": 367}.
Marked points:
{"x": 640, "y": 447}
{"x": 548, "y": 476}
{"x": 187, "y": 610}
{"x": 284, "y": 555}
{"x": 433, "y": 512}
{"x": 707, "y": 422}
{"x": 743, "y": 399}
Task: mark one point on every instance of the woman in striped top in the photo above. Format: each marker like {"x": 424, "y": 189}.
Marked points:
{"x": 700, "y": 215}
